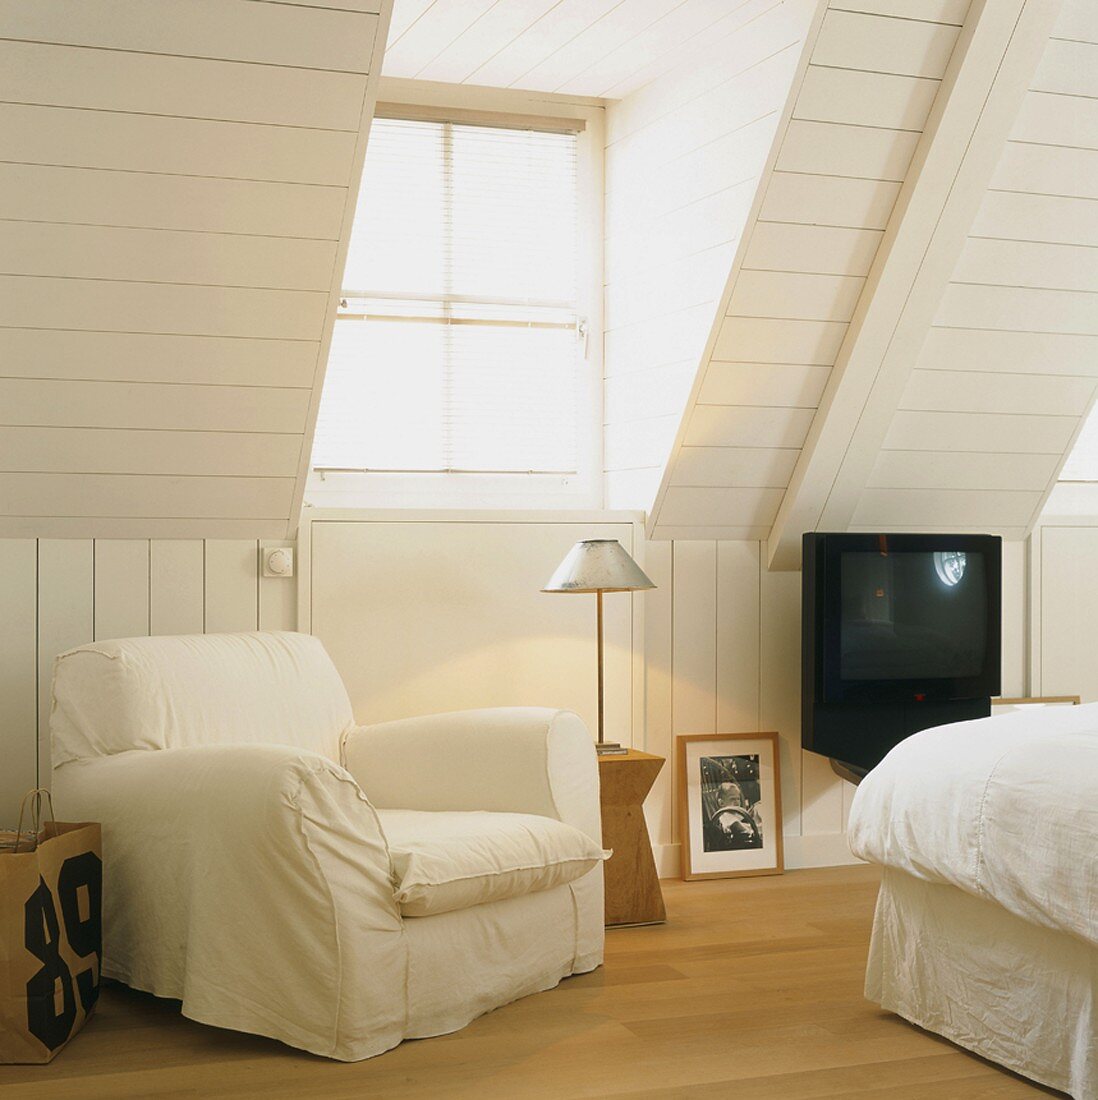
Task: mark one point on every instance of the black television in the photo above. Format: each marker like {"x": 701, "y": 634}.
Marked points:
{"x": 899, "y": 633}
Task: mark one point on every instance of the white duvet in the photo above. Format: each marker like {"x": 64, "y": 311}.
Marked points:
{"x": 1006, "y": 808}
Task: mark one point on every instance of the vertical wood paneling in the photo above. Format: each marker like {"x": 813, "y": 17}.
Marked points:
{"x": 277, "y": 595}
{"x": 232, "y": 585}
{"x": 1015, "y": 595}
{"x": 121, "y": 588}
{"x": 659, "y": 808}
{"x": 18, "y": 673}
{"x": 694, "y": 637}
{"x": 780, "y": 681}
{"x": 737, "y": 686}
{"x": 177, "y": 570}
{"x": 66, "y": 618}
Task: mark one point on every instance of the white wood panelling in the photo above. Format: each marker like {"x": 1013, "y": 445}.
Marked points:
{"x": 59, "y": 593}
{"x": 232, "y": 585}
{"x": 177, "y": 575}
{"x": 909, "y": 289}
{"x": 18, "y": 673}
{"x": 683, "y": 158}
{"x": 1007, "y": 372}
{"x": 121, "y": 593}
{"x": 66, "y": 618}
{"x": 176, "y": 195}
{"x": 607, "y": 48}
{"x": 999, "y": 279}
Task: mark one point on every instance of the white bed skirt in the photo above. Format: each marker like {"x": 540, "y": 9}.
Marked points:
{"x": 1020, "y": 995}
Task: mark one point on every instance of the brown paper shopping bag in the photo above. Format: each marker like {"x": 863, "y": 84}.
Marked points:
{"x": 51, "y": 932}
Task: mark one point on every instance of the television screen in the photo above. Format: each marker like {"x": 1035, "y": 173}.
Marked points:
{"x": 915, "y": 616}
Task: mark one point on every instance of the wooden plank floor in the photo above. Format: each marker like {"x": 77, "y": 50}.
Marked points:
{"x": 752, "y": 989}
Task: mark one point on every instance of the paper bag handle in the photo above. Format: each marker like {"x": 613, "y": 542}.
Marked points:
{"x": 34, "y": 798}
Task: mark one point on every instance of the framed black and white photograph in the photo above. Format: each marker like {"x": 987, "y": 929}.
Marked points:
{"x": 729, "y": 805}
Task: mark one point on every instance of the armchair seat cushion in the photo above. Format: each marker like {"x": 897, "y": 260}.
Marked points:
{"x": 457, "y": 859}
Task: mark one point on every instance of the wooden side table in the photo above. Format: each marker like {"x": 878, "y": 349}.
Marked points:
{"x": 632, "y": 887}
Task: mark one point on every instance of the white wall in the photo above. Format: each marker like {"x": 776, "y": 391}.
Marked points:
{"x": 410, "y": 607}
{"x": 683, "y": 158}
{"x": 715, "y": 648}
{"x": 60, "y": 593}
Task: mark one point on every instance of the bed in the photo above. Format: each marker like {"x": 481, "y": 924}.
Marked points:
{"x": 986, "y": 929}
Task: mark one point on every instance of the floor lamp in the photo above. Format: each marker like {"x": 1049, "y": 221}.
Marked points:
{"x": 599, "y": 565}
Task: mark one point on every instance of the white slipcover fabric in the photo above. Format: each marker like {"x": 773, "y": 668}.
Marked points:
{"x": 1015, "y": 992}
{"x": 245, "y": 870}
{"x": 203, "y": 689}
{"x": 1004, "y": 808}
{"x": 447, "y": 861}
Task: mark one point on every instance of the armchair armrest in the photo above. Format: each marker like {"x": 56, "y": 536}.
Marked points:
{"x": 532, "y": 760}
{"x": 253, "y": 883}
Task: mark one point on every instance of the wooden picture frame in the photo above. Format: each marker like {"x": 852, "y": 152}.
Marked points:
{"x": 729, "y": 794}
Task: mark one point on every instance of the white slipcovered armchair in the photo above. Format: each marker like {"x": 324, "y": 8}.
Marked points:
{"x": 266, "y": 860}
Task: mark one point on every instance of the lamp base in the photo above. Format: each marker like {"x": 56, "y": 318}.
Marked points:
{"x": 610, "y": 748}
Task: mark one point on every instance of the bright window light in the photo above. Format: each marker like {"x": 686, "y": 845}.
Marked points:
{"x": 1082, "y": 463}
{"x": 459, "y": 344}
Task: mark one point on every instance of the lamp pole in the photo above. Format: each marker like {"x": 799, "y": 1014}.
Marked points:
{"x": 598, "y": 601}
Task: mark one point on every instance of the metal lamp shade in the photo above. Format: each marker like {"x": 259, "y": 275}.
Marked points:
{"x": 598, "y": 565}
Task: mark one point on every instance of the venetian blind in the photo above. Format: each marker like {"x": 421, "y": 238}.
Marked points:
{"x": 458, "y": 343}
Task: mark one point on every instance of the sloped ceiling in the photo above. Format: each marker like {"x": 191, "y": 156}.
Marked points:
{"x": 906, "y": 340}
{"x": 177, "y": 184}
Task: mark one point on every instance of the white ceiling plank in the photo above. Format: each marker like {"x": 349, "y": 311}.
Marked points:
{"x": 409, "y": 51}
{"x": 883, "y": 508}
{"x": 177, "y": 146}
{"x": 101, "y": 495}
{"x": 1049, "y": 119}
{"x": 751, "y": 32}
{"x": 164, "y": 256}
{"x": 988, "y": 76}
{"x": 552, "y": 32}
{"x": 1007, "y": 352}
{"x": 153, "y": 84}
{"x": 1050, "y": 218}
{"x": 405, "y": 13}
{"x": 943, "y": 470}
{"x": 795, "y": 385}
{"x": 827, "y": 149}
{"x": 84, "y": 450}
{"x": 767, "y": 340}
{"x": 1023, "y": 309}
{"x": 742, "y": 426}
{"x": 818, "y": 249}
{"x": 1048, "y": 170}
{"x": 795, "y": 295}
{"x": 136, "y": 200}
{"x": 693, "y": 531}
{"x": 972, "y": 391}
{"x": 829, "y": 201}
{"x": 931, "y": 11}
{"x": 1068, "y": 67}
{"x": 65, "y": 403}
{"x": 850, "y": 40}
{"x": 97, "y": 306}
{"x": 496, "y": 28}
{"x": 719, "y": 506}
{"x": 1028, "y": 264}
{"x": 619, "y": 26}
{"x": 1078, "y": 20}
{"x": 989, "y": 433}
{"x": 233, "y": 30}
{"x": 617, "y": 68}
{"x": 865, "y": 98}
{"x": 143, "y": 357}
{"x": 744, "y": 467}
